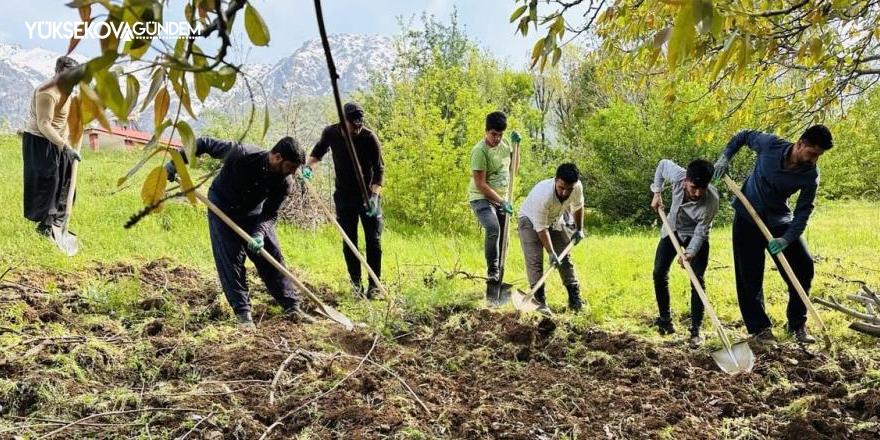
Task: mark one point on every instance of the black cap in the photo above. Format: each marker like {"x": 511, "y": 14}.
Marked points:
{"x": 354, "y": 113}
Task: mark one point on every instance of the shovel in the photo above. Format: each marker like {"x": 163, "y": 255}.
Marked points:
{"x": 353, "y": 247}
{"x": 324, "y": 309}
{"x": 732, "y": 359}
{"x": 61, "y": 235}
{"x": 498, "y": 293}
{"x": 525, "y": 302}
{"x": 781, "y": 258}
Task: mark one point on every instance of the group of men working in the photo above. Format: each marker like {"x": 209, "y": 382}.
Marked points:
{"x": 552, "y": 216}
{"x": 253, "y": 183}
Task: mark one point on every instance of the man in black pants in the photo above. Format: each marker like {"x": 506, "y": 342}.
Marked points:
{"x": 348, "y": 197}
{"x": 250, "y": 188}
{"x": 782, "y": 168}
{"x": 694, "y": 205}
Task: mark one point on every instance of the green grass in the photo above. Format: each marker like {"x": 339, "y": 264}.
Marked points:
{"x": 614, "y": 266}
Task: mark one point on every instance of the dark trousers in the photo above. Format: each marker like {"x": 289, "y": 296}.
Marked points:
{"x": 749, "y": 246}
{"x": 46, "y": 180}
{"x": 349, "y": 210}
{"x": 662, "y": 261}
{"x": 229, "y": 252}
{"x": 492, "y": 218}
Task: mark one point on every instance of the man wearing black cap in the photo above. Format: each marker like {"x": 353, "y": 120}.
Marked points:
{"x": 694, "y": 205}
{"x": 781, "y": 169}
{"x": 348, "y": 197}
{"x": 250, "y": 188}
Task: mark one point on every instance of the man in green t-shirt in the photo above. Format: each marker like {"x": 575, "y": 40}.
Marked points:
{"x": 490, "y": 169}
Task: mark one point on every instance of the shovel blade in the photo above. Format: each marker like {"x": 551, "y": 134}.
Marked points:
{"x": 738, "y": 359}
{"x": 497, "y": 294}
{"x": 334, "y": 315}
{"x": 65, "y": 240}
{"x": 523, "y": 302}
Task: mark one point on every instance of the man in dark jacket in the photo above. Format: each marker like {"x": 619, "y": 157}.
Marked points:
{"x": 250, "y": 188}
{"x": 348, "y": 196}
{"x": 782, "y": 168}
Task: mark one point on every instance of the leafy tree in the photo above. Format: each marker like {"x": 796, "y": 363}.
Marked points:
{"x": 824, "y": 51}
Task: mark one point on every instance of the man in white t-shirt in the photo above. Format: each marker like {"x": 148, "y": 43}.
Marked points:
{"x": 550, "y": 218}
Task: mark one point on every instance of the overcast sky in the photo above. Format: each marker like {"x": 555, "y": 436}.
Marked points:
{"x": 292, "y": 22}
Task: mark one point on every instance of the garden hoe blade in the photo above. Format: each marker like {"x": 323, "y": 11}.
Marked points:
{"x": 738, "y": 358}
{"x": 65, "y": 240}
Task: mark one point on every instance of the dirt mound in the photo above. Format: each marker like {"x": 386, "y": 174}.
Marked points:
{"x": 170, "y": 363}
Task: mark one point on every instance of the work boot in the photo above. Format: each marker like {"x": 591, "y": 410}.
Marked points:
{"x": 765, "y": 337}
{"x": 800, "y": 334}
{"x": 541, "y": 299}
{"x": 245, "y": 322}
{"x": 664, "y": 326}
{"x": 696, "y": 340}
{"x": 44, "y": 230}
{"x": 298, "y": 316}
{"x": 493, "y": 276}
{"x": 373, "y": 292}
{"x": 574, "y": 297}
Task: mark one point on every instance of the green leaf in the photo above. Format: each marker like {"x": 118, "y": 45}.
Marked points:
{"x": 256, "y": 28}
{"x": 682, "y": 38}
{"x": 154, "y": 187}
{"x": 155, "y": 84}
{"x": 183, "y": 174}
{"x": 202, "y": 87}
{"x": 518, "y": 12}
{"x": 160, "y": 109}
{"x": 723, "y": 57}
{"x": 74, "y": 122}
{"x": 107, "y": 85}
{"x": 538, "y": 48}
{"x": 265, "y": 121}
{"x": 187, "y": 137}
{"x": 223, "y": 79}
{"x": 132, "y": 90}
{"x": 182, "y": 91}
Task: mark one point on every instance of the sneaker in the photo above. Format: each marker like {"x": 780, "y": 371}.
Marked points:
{"x": 696, "y": 340}
{"x": 544, "y": 310}
{"x": 245, "y": 322}
{"x": 664, "y": 326}
{"x": 765, "y": 337}
{"x": 298, "y": 316}
{"x": 803, "y": 337}
{"x": 373, "y": 292}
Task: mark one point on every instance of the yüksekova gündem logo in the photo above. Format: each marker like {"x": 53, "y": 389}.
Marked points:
{"x": 66, "y": 30}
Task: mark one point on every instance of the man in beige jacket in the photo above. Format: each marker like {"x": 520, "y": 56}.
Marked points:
{"x": 47, "y": 155}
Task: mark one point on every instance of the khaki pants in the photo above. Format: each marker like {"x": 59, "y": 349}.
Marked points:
{"x": 533, "y": 253}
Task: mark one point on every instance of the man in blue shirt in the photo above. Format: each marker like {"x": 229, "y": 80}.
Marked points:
{"x": 781, "y": 169}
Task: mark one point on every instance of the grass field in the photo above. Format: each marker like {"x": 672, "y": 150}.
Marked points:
{"x": 614, "y": 266}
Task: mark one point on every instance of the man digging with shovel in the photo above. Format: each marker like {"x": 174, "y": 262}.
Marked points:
{"x": 781, "y": 169}
{"x": 348, "y": 196}
{"x": 490, "y": 163}
{"x": 47, "y": 155}
{"x": 694, "y": 205}
{"x": 252, "y": 184}
{"x": 550, "y": 218}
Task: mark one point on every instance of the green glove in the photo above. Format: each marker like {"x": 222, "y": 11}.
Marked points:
{"x": 515, "y": 137}
{"x": 307, "y": 172}
{"x": 256, "y": 243}
{"x": 72, "y": 154}
{"x": 507, "y": 207}
{"x": 722, "y": 166}
{"x": 554, "y": 259}
{"x": 578, "y": 236}
{"x": 777, "y": 245}
{"x": 374, "y": 205}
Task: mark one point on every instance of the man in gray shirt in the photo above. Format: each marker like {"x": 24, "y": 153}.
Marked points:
{"x": 694, "y": 205}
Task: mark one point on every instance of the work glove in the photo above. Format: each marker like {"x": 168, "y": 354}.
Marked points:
{"x": 722, "y": 166}
{"x": 506, "y": 207}
{"x": 515, "y": 137}
{"x": 374, "y": 205}
{"x": 777, "y": 245}
{"x": 71, "y": 154}
{"x": 578, "y": 236}
{"x": 307, "y": 172}
{"x": 171, "y": 171}
{"x": 256, "y": 243}
{"x": 554, "y": 259}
